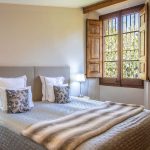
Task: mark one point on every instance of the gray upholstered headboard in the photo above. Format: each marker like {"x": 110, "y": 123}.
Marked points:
{"x": 49, "y": 72}
{"x": 33, "y": 73}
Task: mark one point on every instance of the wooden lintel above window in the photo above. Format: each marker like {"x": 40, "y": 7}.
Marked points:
{"x": 100, "y": 5}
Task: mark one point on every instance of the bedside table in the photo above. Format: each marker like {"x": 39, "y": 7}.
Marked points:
{"x": 81, "y": 98}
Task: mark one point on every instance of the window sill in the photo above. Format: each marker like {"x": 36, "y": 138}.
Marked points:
{"x": 129, "y": 84}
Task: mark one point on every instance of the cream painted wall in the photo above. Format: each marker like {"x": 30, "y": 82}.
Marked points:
{"x": 32, "y": 35}
{"x": 42, "y": 36}
{"x": 122, "y": 95}
{"x": 48, "y": 36}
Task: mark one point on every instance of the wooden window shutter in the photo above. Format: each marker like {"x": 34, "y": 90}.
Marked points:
{"x": 94, "y": 48}
{"x": 143, "y": 72}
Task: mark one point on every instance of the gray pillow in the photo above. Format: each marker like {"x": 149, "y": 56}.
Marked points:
{"x": 17, "y": 101}
{"x": 61, "y": 94}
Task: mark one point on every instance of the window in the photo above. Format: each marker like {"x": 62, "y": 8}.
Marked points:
{"x": 121, "y": 42}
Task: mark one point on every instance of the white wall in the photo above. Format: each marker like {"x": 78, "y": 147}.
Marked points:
{"x": 32, "y": 35}
{"x": 147, "y": 95}
{"x": 121, "y": 94}
{"x": 42, "y": 36}
{"x": 49, "y": 36}
{"x": 45, "y": 36}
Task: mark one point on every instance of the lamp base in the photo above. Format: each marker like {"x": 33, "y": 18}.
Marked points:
{"x": 81, "y": 96}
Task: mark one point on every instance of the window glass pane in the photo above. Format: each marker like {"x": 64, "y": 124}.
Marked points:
{"x": 136, "y": 44}
{"x": 124, "y": 40}
{"x": 128, "y": 41}
{"x": 110, "y": 69}
{"x": 132, "y": 35}
{"x": 110, "y": 27}
{"x": 106, "y": 43}
{"x": 114, "y": 26}
{"x": 128, "y": 23}
{"x": 130, "y": 69}
{"x": 124, "y": 24}
{"x": 106, "y": 27}
{"x": 136, "y": 21}
{"x": 132, "y": 22}
{"x": 131, "y": 55}
{"x": 110, "y": 56}
{"x": 111, "y": 43}
{"x": 116, "y": 19}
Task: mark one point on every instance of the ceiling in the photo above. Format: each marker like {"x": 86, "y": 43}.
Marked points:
{"x": 119, "y": 6}
{"x": 76, "y": 4}
{"x": 57, "y": 3}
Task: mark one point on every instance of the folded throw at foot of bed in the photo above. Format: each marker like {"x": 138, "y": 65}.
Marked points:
{"x": 72, "y": 130}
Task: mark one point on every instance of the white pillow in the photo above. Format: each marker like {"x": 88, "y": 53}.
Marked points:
{"x": 3, "y": 97}
{"x": 18, "y": 82}
{"x": 47, "y": 81}
{"x": 50, "y": 91}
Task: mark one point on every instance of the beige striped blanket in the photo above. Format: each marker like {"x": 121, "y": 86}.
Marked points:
{"x": 70, "y": 131}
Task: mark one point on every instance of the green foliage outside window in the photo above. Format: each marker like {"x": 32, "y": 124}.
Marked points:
{"x": 129, "y": 46}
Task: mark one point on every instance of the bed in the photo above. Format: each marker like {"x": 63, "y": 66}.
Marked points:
{"x": 131, "y": 134}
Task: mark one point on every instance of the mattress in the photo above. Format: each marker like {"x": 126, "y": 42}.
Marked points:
{"x": 125, "y": 136}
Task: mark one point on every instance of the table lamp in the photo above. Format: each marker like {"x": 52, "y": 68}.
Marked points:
{"x": 80, "y": 78}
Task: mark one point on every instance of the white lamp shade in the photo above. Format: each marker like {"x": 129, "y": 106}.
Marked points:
{"x": 80, "y": 78}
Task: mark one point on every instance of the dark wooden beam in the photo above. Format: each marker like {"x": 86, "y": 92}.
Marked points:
{"x": 100, "y": 5}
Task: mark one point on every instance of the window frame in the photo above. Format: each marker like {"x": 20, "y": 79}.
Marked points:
{"x": 119, "y": 81}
